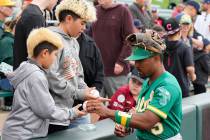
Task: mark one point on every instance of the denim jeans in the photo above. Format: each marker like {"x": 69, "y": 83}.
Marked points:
{"x": 5, "y": 85}
{"x": 81, "y": 120}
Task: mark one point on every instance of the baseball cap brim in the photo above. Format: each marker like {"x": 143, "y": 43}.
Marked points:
{"x": 173, "y": 31}
{"x": 137, "y": 78}
{"x": 140, "y": 54}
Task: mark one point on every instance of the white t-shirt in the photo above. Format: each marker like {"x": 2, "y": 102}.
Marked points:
{"x": 202, "y": 25}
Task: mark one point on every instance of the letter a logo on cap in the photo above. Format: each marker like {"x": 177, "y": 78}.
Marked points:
{"x": 169, "y": 27}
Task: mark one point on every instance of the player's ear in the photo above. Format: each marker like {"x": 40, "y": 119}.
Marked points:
{"x": 157, "y": 57}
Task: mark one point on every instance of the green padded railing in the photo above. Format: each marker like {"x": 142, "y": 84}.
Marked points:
{"x": 202, "y": 103}
{"x": 105, "y": 129}
{"x": 195, "y": 124}
{"x": 188, "y": 129}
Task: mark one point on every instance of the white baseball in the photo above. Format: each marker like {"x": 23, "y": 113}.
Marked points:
{"x": 95, "y": 93}
{"x": 84, "y": 106}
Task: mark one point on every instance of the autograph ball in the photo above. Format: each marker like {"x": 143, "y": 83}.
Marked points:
{"x": 84, "y": 106}
{"x": 95, "y": 93}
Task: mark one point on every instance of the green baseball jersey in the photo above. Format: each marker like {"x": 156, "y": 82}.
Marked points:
{"x": 164, "y": 98}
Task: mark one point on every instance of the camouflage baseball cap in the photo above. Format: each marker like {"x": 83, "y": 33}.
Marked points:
{"x": 145, "y": 45}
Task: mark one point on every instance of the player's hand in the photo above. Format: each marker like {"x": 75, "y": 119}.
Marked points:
{"x": 122, "y": 131}
{"x": 118, "y": 69}
{"x": 96, "y": 106}
{"x": 102, "y": 99}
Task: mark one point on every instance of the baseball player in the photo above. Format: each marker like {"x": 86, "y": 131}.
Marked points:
{"x": 159, "y": 109}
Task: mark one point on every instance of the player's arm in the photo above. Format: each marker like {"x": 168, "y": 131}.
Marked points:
{"x": 143, "y": 121}
{"x": 157, "y": 109}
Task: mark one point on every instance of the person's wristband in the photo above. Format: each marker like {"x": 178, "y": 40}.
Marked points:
{"x": 117, "y": 117}
{"x": 123, "y": 118}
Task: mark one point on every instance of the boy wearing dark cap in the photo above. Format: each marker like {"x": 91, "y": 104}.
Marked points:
{"x": 33, "y": 104}
{"x": 178, "y": 59}
{"x": 159, "y": 108}
{"x": 125, "y": 98}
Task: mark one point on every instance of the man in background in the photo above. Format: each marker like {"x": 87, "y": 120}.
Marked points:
{"x": 109, "y": 31}
{"x": 31, "y": 17}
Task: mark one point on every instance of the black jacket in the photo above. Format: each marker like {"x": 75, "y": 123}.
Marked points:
{"x": 201, "y": 61}
{"x": 30, "y": 18}
{"x": 91, "y": 60}
{"x": 92, "y": 64}
{"x": 202, "y": 67}
{"x": 177, "y": 58}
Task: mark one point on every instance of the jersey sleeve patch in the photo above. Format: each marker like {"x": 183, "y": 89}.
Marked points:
{"x": 164, "y": 95}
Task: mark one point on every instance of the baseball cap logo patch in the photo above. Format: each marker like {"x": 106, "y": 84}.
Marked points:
{"x": 169, "y": 27}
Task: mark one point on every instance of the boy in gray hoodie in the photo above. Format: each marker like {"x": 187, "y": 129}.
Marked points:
{"x": 66, "y": 77}
{"x": 33, "y": 104}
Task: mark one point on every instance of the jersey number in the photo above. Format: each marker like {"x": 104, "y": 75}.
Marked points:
{"x": 157, "y": 129}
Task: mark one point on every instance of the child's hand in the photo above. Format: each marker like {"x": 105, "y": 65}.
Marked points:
{"x": 90, "y": 96}
{"x": 77, "y": 112}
